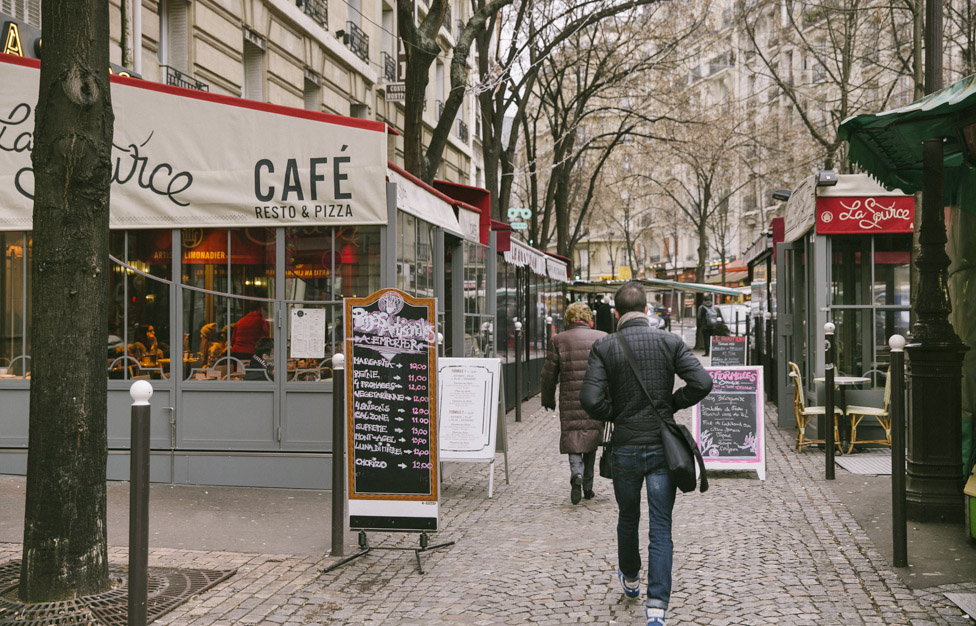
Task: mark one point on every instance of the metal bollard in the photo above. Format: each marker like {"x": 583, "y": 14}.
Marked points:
{"x": 548, "y": 330}
{"x": 829, "y": 400}
{"x": 896, "y": 413}
{"x": 338, "y": 450}
{"x": 141, "y": 391}
{"x": 518, "y": 370}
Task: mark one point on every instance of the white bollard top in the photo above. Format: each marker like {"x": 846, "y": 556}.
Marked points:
{"x": 896, "y": 343}
{"x": 141, "y": 391}
{"x": 338, "y": 361}
{"x": 440, "y": 338}
{"x": 829, "y": 328}
{"x": 518, "y": 325}
{"x": 548, "y": 319}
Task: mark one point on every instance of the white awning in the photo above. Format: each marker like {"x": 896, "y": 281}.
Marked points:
{"x": 189, "y": 159}
{"x": 521, "y": 255}
{"x": 412, "y": 198}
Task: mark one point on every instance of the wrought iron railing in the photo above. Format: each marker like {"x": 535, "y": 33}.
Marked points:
{"x": 462, "y": 131}
{"x": 318, "y": 10}
{"x": 439, "y": 108}
{"x": 389, "y": 66}
{"x": 357, "y": 41}
{"x": 448, "y": 18}
{"x": 179, "y": 79}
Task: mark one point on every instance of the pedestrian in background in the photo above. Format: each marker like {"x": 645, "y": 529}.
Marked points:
{"x": 579, "y": 436}
{"x": 612, "y": 393}
{"x": 604, "y": 316}
{"x": 709, "y": 318}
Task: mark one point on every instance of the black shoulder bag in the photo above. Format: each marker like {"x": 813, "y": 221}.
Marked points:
{"x": 680, "y": 449}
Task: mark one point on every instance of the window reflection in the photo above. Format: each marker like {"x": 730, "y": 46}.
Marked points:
{"x": 222, "y": 333}
{"x": 14, "y": 305}
{"x": 322, "y": 266}
{"x": 415, "y": 265}
{"x": 139, "y": 320}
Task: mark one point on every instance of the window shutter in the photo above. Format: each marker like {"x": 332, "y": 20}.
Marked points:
{"x": 25, "y": 10}
{"x": 253, "y": 72}
{"x": 177, "y": 54}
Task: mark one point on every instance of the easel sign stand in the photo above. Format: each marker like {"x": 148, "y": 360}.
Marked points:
{"x": 391, "y": 419}
{"x": 467, "y": 400}
{"x": 728, "y": 423}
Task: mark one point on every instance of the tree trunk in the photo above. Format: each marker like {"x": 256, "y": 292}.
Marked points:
{"x": 65, "y": 551}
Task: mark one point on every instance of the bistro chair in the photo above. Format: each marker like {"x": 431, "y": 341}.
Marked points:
{"x": 858, "y": 413}
{"x": 804, "y": 414}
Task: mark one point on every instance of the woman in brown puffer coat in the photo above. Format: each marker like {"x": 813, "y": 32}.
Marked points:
{"x": 566, "y": 364}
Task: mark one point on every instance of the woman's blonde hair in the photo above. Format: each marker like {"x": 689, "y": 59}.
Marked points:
{"x": 578, "y": 312}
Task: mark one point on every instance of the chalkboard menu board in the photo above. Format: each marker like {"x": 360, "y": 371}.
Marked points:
{"x": 728, "y": 351}
{"x": 391, "y": 341}
{"x": 729, "y": 421}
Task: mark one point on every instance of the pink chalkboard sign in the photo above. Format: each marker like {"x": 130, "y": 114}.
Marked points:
{"x": 728, "y": 423}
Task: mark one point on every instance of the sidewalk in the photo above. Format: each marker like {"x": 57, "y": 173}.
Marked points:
{"x": 788, "y": 551}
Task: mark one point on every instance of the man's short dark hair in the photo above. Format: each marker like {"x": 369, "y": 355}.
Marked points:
{"x": 265, "y": 345}
{"x": 630, "y": 297}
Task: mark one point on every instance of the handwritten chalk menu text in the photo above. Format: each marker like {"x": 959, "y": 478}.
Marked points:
{"x": 729, "y": 421}
{"x": 391, "y": 341}
{"x": 728, "y": 350}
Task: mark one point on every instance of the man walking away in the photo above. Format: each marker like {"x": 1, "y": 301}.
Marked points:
{"x": 709, "y": 318}
{"x": 611, "y": 392}
{"x": 579, "y": 436}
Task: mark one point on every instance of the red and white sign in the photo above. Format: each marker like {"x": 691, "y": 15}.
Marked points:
{"x": 865, "y": 215}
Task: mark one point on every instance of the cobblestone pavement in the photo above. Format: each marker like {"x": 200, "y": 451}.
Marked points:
{"x": 784, "y": 551}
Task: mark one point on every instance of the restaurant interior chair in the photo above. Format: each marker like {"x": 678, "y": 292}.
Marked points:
{"x": 804, "y": 414}
{"x": 858, "y": 413}
{"x": 228, "y": 368}
{"x": 123, "y": 367}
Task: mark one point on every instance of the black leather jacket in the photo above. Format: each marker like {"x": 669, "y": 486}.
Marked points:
{"x": 611, "y": 393}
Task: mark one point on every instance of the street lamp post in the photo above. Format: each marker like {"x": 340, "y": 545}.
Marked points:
{"x": 934, "y": 477}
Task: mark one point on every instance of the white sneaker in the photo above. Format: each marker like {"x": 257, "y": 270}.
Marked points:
{"x": 654, "y": 615}
{"x": 631, "y": 587}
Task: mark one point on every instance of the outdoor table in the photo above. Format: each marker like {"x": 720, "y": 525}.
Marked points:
{"x": 844, "y": 427}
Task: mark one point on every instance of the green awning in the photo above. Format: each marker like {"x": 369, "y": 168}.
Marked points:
{"x": 888, "y": 145}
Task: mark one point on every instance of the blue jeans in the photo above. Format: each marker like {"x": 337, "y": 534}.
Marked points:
{"x": 633, "y": 467}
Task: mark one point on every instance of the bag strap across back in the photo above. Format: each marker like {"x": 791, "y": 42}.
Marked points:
{"x": 683, "y": 431}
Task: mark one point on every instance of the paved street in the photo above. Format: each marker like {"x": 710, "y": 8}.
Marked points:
{"x": 784, "y": 552}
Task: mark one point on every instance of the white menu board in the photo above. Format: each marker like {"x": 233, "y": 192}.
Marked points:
{"x": 307, "y": 333}
{"x": 468, "y": 408}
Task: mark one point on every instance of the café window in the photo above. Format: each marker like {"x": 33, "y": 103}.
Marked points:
{"x": 869, "y": 296}
{"x": 228, "y": 282}
{"x": 323, "y": 265}
{"x": 15, "y": 305}
{"x": 139, "y": 317}
{"x": 415, "y": 263}
{"x": 478, "y": 321}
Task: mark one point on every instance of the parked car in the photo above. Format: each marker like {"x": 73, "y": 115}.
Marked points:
{"x": 729, "y": 312}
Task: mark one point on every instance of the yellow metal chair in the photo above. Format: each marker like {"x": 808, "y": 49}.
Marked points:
{"x": 858, "y": 413}
{"x": 804, "y": 414}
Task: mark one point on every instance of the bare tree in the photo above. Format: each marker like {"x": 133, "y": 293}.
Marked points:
{"x": 832, "y": 59}
{"x": 65, "y": 550}
{"x": 592, "y": 95}
{"x": 509, "y": 72}
{"x": 960, "y": 34}
{"x": 422, "y": 48}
